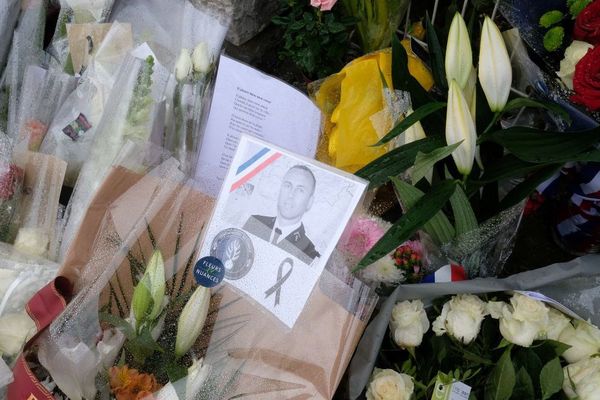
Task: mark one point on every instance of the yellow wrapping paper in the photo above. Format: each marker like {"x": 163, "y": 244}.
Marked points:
{"x": 352, "y": 100}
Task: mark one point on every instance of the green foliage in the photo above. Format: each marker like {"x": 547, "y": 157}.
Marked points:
{"x": 550, "y": 18}
{"x": 553, "y": 39}
{"x": 577, "y": 6}
{"x": 502, "y": 380}
{"x": 314, "y": 41}
{"x": 551, "y": 378}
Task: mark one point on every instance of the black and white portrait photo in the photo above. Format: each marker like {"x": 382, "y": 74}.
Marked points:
{"x": 277, "y": 221}
{"x": 285, "y": 229}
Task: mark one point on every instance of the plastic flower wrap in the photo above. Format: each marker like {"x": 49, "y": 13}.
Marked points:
{"x": 21, "y": 276}
{"x": 202, "y": 38}
{"x": 75, "y": 12}
{"x": 360, "y": 108}
{"x": 72, "y": 131}
{"x": 44, "y": 176}
{"x": 11, "y": 187}
{"x": 42, "y": 94}
{"x": 9, "y": 14}
{"x": 130, "y": 116}
{"x": 26, "y": 49}
{"x": 140, "y": 324}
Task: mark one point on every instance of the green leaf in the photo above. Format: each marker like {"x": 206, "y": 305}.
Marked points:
{"x": 528, "y": 102}
{"x": 142, "y": 346}
{"x": 525, "y": 188}
{"x": 577, "y": 6}
{"x": 537, "y": 146}
{"x": 464, "y": 216}
{"x": 397, "y": 161}
{"x": 550, "y": 18}
{"x": 502, "y": 379}
{"x": 528, "y": 359}
{"x": 118, "y": 322}
{"x": 436, "y": 55}
{"x": 439, "y": 227}
{"x": 401, "y": 77}
{"x": 551, "y": 378}
{"x": 424, "y": 162}
{"x": 410, "y": 120}
{"x": 558, "y": 347}
{"x": 553, "y": 39}
{"x": 423, "y": 210}
{"x": 508, "y": 166}
{"x": 175, "y": 371}
{"x": 524, "y": 388}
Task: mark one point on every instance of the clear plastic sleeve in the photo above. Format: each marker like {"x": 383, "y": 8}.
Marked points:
{"x": 42, "y": 94}
{"x": 44, "y": 177}
{"x": 130, "y": 115}
{"x": 9, "y": 14}
{"x": 71, "y": 134}
{"x": 11, "y": 188}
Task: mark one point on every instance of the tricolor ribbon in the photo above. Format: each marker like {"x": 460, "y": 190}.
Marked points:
{"x": 253, "y": 166}
{"x": 281, "y": 278}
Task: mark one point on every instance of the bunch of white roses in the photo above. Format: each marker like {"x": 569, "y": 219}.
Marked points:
{"x": 521, "y": 322}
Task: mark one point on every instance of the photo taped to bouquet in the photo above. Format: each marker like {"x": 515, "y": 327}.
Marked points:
{"x": 277, "y": 221}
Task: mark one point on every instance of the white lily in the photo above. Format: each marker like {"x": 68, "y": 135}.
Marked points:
{"x": 495, "y": 71}
{"x": 459, "y": 56}
{"x": 460, "y": 127}
{"x": 197, "y": 374}
{"x": 156, "y": 271}
{"x": 200, "y": 58}
{"x": 191, "y": 321}
{"x": 183, "y": 67}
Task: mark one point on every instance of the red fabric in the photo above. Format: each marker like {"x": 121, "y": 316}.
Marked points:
{"x": 43, "y": 308}
{"x": 457, "y": 273}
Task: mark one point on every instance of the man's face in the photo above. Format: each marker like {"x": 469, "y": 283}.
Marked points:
{"x": 296, "y": 194}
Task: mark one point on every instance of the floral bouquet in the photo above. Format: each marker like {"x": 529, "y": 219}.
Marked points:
{"x": 42, "y": 94}
{"x": 202, "y": 38}
{"x": 75, "y": 12}
{"x": 133, "y": 105}
{"x": 140, "y": 325}
{"x": 21, "y": 276}
{"x": 482, "y": 338}
{"x": 11, "y": 186}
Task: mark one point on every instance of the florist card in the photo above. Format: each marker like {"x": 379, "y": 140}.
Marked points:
{"x": 277, "y": 220}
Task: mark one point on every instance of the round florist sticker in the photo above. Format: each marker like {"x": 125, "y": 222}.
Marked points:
{"x": 209, "y": 271}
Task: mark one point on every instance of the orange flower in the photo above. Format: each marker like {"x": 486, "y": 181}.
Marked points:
{"x": 128, "y": 384}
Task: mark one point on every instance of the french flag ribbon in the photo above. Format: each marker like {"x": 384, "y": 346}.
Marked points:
{"x": 253, "y": 166}
{"x": 448, "y": 273}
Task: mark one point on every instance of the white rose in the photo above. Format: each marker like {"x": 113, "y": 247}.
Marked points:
{"x": 15, "y": 330}
{"x": 183, "y": 67}
{"x": 584, "y": 340}
{"x": 200, "y": 58}
{"x": 409, "y": 323}
{"x": 573, "y": 54}
{"x": 522, "y": 321}
{"x": 461, "y": 318}
{"x": 387, "y": 384}
{"x": 582, "y": 379}
{"x": 557, "y": 322}
{"x": 32, "y": 241}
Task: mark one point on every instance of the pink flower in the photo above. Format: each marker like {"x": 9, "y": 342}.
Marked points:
{"x": 361, "y": 235}
{"x": 325, "y": 5}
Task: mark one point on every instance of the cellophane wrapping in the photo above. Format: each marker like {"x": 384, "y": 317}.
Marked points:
{"x": 241, "y": 350}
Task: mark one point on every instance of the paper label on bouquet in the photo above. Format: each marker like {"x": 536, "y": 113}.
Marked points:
{"x": 77, "y": 128}
{"x": 276, "y": 222}
{"x": 451, "y": 391}
{"x": 246, "y": 101}
{"x": 552, "y": 302}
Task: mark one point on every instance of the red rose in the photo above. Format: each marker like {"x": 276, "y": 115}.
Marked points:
{"x": 587, "y": 24}
{"x": 586, "y": 82}
{"x": 11, "y": 177}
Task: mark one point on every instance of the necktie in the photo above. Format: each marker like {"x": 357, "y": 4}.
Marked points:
{"x": 276, "y": 235}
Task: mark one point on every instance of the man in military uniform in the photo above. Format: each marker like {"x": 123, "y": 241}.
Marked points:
{"x": 286, "y": 230}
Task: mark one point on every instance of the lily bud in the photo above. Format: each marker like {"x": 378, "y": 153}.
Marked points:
{"x": 141, "y": 303}
{"x": 197, "y": 374}
{"x": 460, "y": 127}
{"x": 200, "y": 58}
{"x": 191, "y": 321}
{"x": 495, "y": 71}
{"x": 459, "y": 56}
{"x": 183, "y": 67}
{"x": 156, "y": 272}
